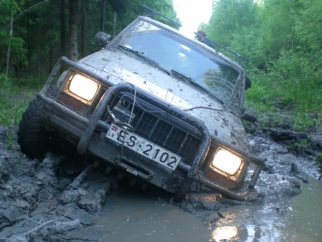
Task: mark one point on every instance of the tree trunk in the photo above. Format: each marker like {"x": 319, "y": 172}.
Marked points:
{"x": 83, "y": 26}
{"x": 62, "y": 28}
{"x": 102, "y": 20}
{"x": 9, "y": 49}
{"x": 73, "y": 29}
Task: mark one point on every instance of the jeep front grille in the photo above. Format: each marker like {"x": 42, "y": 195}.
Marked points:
{"x": 156, "y": 125}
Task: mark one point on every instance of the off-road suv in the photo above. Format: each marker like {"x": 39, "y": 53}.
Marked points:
{"x": 160, "y": 106}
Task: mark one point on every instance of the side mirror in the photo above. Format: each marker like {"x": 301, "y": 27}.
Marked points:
{"x": 102, "y": 39}
{"x": 250, "y": 115}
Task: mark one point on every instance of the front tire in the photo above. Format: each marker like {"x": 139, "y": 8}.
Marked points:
{"x": 32, "y": 136}
{"x": 183, "y": 190}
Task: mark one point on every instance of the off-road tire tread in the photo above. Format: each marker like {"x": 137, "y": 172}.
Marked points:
{"x": 31, "y": 133}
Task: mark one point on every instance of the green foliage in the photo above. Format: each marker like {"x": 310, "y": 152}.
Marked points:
{"x": 228, "y": 17}
{"x": 128, "y": 10}
{"x": 292, "y": 84}
{"x": 308, "y": 25}
{"x": 13, "y": 103}
{"x": 283, "y": 40}
{"x": 278, "y": 26}
{"x": 8, "y": 8}
{"x": 299, "y": 146}
{"x": 36, "y": 41}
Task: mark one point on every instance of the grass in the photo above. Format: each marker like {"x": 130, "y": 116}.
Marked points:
{"x": 304, "y": 107}
{"x": 13, "y": 102}
{"x": 293, "y": 87}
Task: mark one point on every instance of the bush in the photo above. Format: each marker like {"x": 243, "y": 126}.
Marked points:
{"x": 292, "y": 84}
{"x": 14, "y": 101}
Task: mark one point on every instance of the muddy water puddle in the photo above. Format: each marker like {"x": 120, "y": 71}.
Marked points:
{"x": 301, "y": 220}
{"x": 303, "y": 223}
{"x": 138, "y": 217}
{"x": 135, "y": 217}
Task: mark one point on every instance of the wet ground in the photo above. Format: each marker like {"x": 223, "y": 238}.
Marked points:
{"x": 136, "y": 217}
{"x": 54, "y": 200}
{"x": 289, "y": 209}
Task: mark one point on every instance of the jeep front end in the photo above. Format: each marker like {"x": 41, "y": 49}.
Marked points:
{"x": 138, "y": 105}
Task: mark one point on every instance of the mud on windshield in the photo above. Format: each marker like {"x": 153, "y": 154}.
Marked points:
{"x": 174, "y": 53}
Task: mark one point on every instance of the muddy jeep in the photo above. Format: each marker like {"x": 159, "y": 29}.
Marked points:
{"x": 159, "y": 106}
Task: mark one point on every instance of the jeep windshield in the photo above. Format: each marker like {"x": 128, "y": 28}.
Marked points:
{"x": 174, "y": 53}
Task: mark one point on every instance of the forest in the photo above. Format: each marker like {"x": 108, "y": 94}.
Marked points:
{"x": 282, "y": 41}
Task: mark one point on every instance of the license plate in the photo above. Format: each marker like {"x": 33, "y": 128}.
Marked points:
{"x": 143, "y": 147}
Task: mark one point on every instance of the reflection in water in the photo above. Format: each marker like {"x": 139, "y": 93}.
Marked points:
{"x": 224, "y": 233}
{"x": 232, "y": 233}
{"x": 301, "y": 221}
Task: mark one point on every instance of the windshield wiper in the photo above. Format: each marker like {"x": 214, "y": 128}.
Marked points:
{"x": 194, "y": 83}
{"x": 141, "y": 55}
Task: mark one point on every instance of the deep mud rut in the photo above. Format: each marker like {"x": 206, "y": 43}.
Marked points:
{"x": 69, "y": 199}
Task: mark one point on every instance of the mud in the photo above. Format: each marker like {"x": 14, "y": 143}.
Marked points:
{"x": 76, "y": 199}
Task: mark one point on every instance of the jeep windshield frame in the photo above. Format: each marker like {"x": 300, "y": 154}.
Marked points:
{"x": 173, "y": 52}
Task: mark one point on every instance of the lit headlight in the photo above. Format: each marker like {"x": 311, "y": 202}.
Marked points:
{"x": 227, "y": 162}
{"x": 83, "y": 87}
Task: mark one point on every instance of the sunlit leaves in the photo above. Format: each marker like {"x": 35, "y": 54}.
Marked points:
{"x": 283, "y": 39}
{"x": 309, "y": 24}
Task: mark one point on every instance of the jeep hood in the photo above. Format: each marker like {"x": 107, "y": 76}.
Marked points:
{"x": 121, "y": 67}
